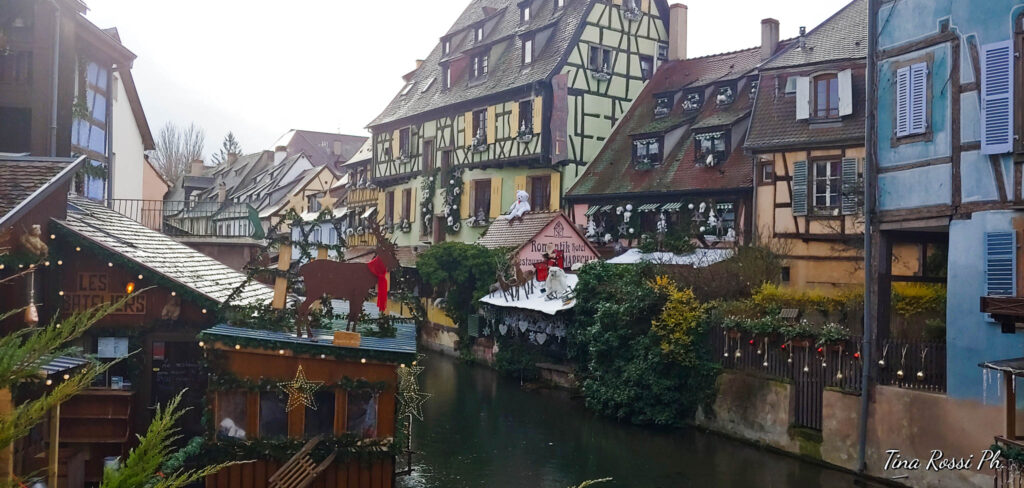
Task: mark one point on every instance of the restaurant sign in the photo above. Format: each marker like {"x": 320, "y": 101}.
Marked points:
{"x": 92, "y": 289}
{"x": 558, "y": 234}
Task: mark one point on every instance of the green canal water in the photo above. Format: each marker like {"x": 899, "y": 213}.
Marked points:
{"x": 482, "y": 430}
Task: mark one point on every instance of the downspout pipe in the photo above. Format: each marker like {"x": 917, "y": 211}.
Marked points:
{"x": 869, "y": 214}
{"x": 55, "y": 76}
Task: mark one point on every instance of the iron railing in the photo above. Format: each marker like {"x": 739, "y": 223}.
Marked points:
{"x": 190, "y": 218}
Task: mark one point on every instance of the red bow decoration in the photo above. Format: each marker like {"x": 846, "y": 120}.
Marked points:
{"x": 380, "y": 270}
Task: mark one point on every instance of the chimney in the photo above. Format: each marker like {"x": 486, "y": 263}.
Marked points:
{"x": 222, "y": 192}
{"x": 677, "y": 32}
{"x": 769, "y": 37}
{"x": 419, "y": 62}
{"x": 231, "y": 158}
{"x": 280, "y": 152}
{"x": 803, "y": 40}
{"x": 197, "y": 167}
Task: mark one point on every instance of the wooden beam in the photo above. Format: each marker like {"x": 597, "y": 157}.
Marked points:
{"x": 53, "y": 456}
{"x": 1011, "y": 406}
{"x": 7, "y": 454}
{"x": 922, "y": 43}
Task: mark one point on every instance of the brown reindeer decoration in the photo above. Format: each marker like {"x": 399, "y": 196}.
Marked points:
{"x": 346, "y": 281}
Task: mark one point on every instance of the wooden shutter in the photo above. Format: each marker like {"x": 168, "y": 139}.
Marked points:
{"x": 919, "y": 98}
{"x": 414, "y": 206}
{"x": 520, "y": 183}
{"x": 1000, "y": 264}
{"x": 851, "y": 195}
{"x": 845, "y": 78}
{"x": 799, "y": 197}
{"x": 556, "y": 190}
{"x": 381, "y": 205}
{"x": 803, "y": 98}
{"x": 467, "y": 129}
{"x": 997, "y": 97}
{"x": 495, "y": 197}
{"x": 491, "y": 125}
{"x": 538, "y": 105}
{"x": 395, "y": 148}
{"x": 903, "y": 101}
{"x": 513, "y": 120}
{"x": 464, "y": 210}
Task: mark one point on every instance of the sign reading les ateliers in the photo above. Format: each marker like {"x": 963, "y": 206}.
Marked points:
{"x": 92, "y": 289}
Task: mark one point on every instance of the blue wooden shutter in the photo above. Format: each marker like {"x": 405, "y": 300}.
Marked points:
{"x": 800, "y": 188}
{"x": 903, "y": 101}
{"x": 1001, "y": 264}
{"x": 997, "y": 97}
{"x": 918, "y": 98}
{"x": 851, "y": 193}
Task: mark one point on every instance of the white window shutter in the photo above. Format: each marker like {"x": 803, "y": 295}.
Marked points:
{"x": 919, "y": 98}
{"x": 845, "y": 92}
{"x": 803, "y": 98}
{"x": 1000, "y": 264}
{"x": 799, "y": 197}
{"x": 997, "y": 97}
{"x": 903, "y": 101}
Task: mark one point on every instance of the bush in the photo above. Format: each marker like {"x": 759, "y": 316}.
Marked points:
{"x": 625, "y": 373}
{"x": 679, "y": 323}
{"x": 462, "y": 272}
{"x": 910, "y": 299}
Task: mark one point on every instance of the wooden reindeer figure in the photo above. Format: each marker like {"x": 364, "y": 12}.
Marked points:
{"x": 348, "y": 281}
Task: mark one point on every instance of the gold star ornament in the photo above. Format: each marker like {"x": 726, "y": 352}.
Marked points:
{"x": 300, "y": 390}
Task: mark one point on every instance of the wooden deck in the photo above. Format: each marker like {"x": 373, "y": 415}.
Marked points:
{"x": 351, "y": 474}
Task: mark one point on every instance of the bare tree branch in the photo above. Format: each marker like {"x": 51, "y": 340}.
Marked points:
{"x": 176, "y": 148}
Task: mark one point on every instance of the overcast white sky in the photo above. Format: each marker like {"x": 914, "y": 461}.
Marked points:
{"x": 260, "y": 68}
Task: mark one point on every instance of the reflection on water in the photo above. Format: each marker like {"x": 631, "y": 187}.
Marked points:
{"x": 481, "y": 430}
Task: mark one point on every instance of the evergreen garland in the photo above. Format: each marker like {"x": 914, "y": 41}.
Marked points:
{"x": 428, "y": 187}
{"x": 229, "y": 382}
{"x": 348, "y": 447}
{"x": 452, "y": 199}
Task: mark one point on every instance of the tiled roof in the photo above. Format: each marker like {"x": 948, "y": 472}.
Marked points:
{"x": 505, "y": 70}
{"x": 365, "y": 153}
{"x": 158, "y": 253}
{"x": 842, "y": 36}
{"x": 407, "y": 256}
{"x": 402, "y": 345}
{"x": 319, "y": 146}
{"x": 502, "y": 234}
{"x": 613, "y": 173}
{"x": 23, "y": 177}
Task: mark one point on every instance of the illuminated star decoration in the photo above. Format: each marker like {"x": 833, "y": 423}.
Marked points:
{"x": 410, "y": 397}
{"x": 300, "y": 390}
{"x": 327, "y": 202}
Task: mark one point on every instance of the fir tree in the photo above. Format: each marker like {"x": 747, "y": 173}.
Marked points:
{"x": 229, "y": 146}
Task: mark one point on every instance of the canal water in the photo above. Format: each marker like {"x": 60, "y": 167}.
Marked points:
{"x": 483, "y": 430}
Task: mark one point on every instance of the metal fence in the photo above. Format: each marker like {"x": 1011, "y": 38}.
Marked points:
{"x": 190, "y": 218}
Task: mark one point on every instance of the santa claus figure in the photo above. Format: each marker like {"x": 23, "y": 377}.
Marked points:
{"x": 519, "y": 207}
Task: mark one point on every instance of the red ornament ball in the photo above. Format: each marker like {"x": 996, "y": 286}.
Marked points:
{"x": 783, "y": 346}
{"x": 751, "y": 341}
{"x": 856, "y": 355}
{"x": 819, "y": 349}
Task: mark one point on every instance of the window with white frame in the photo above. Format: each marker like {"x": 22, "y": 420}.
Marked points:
{"x": 527, "y": 50}
{"x": 827, "y": 187}
{"x": 479, "y": 65}
{"x": 647, "y": 151}
{"x": 524, "y": 13}
{"x": 478, "y": 33}
{"x": 712, "y": 148}
{"x": 446, "y": 47}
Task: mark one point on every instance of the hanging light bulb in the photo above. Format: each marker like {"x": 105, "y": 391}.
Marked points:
{"x": 49, "y": 382}
{"x": 823, "y": 365}
{"x": 202, "y": 344}
{"x": 363, "y": 360}
{"x": 806, "y": 369}
{"x": 899, "y": 374}
{"x": 738, "y": 354}
{"x": 881, "y": 363}
{"x": 839, "y": 375}
{"x": 130, "y": 287}
{"x": 238, "y": 346}
{"x": 765, "y": 363}
{"x": 920, "y": 376}
{"x": 67, "y": 376}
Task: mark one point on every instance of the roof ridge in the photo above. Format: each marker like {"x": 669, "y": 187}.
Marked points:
{"x": 706, "y": 56}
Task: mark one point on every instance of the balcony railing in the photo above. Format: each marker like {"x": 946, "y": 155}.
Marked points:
{"x": 189, "y": 218}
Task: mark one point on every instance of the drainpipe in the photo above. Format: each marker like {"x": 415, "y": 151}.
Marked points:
{"x": 56, "y": 71}
{"x": 869, "y": 214}
{"x": 111, "y": 156}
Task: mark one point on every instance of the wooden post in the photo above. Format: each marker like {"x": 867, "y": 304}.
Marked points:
{"x": 6, "y": 455}
{"x": 52, "y": 458}
{"x": 284, "y": 261}
{"x": 321, "y": 253}
{"x": 1011, "y": 406}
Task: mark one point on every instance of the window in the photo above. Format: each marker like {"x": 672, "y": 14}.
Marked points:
{"x": 559, "y": 4}
{"x": 446, "y": 47}
{"x": 273, "y": 417}
{"x": 406, "y": 203}
{"x": 540, "y": 193}
{"x": 647, "y": 151}
{"x": 662, "y": 104}
{"x": 479, "y": 66}
{"x": 662, "y": 51}
{"x": 479, "y": 126}
{"x": 693, "y": 101}
{"x": 407, "y": 88}
{"x": 317, "y": 235}
{"x": 785, "y": 274}
{"x": 403, "y": 142}
{"x": 726, "y": 95}
{"x": 446, "y": 77}
{"x": 827, "y": 187}
{"x": 524, "y": 14}
{"x": 320, "y": 420}
{"x": 428, "y": 155}
{"x": 600, "y": 59}
{"x": 912, "y": 100}
{"x": 481, "y": 199}
{"x": 479, "y": 33}
{"x": 361, "y": 418}
{"x": 712, "y": 148}
{"x": 826, "y": 96}
{"x": 767, "y": 172}
{"x": 389, "y": 207}
{"x": 446, "y": 160}
{"x": 232, "y": 416}
{"x": 528, "y": 50}
{"x": 646, "y": 67}
{"x": 313, "y": 202}
{"x": 526, "y": 117}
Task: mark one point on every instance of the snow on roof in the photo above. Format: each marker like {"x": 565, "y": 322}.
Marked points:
{"x": 536, "y": 301}
{"x": 700, "y": 258}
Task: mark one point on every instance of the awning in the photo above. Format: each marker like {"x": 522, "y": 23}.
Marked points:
{"x": 61, "y": 364}
{"x": 648, "y": 207}
{"x": 369, "y": 212}
{"x": 1014, "y": 367}
{"x": 592, "y": 210}
{"x": 340, "y": 212}
{"x": 672, "y": 207}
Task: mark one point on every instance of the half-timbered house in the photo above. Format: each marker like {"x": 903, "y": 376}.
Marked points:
{"x": 515, "y": 96}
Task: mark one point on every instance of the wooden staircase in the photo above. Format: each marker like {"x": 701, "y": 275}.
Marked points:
{"x": 300, "y": 471}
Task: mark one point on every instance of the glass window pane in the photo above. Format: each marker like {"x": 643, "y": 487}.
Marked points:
{"x": 321, "y": 420}
{"x": 97, "y": 105}
{"x": 820, "y": 97}
{"x": 362, "y": 413}
{"x": 833, "y": 96}
{"x": 273, "y": 418}
{"x": 97, "y": 139}
{"x": 231, "y": 414}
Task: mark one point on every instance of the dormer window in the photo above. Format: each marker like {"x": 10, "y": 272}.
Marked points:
{"x": 662, "y": 105}
{"x": 826, "y": 96}
{"x": 527, "y": 50}
{"x": 559, "y": 4}
{"x": 407, "y": 88}
{"x": 478, "y": 34}
{"x": 692, "y": 101}
{"x": 712, "y": 148}
{"x": 446, "y": 77}
{"x": 647, "y": 152}
{"x": 446, "y": 47}
{"x": 479, "y": 66}
{"x": 524, "y": 14}
{"x": 725, "y": 95}
{"x": 753, "y": 88}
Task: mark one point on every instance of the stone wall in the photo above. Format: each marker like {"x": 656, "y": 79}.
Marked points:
{"x": 752, "y": 408}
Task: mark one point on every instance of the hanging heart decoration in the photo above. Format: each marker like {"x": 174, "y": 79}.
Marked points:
{"x": 503, "y": 328}
{"x": 541, "y": 338}
{"x": 523, "y": 325}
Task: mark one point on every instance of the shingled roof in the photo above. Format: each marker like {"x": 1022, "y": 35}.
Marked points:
{"x": 154, "y": 252}
{"x": 844, "y": 35}
{"x": 24, "y": 179}
{"x": 612, "y": 172}
{"x": 505, "y": 69}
